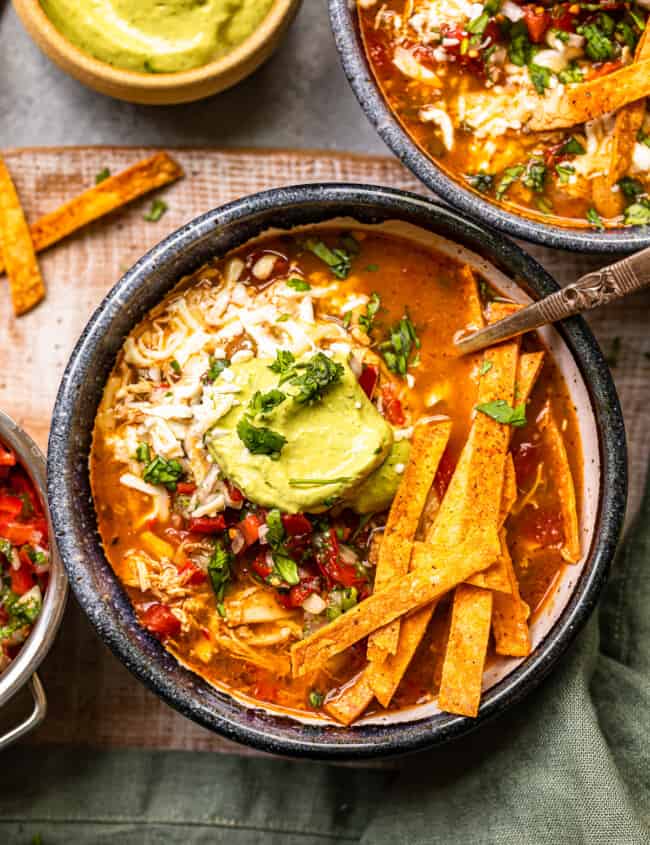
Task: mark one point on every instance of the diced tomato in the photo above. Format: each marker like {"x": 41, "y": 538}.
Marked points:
{"x": 196, "y": 574}
{"x": 298, "y": 593}
{"x": 208, "y": 524}
{"x": 22, "y": 580}
{"x": 538, "y": 20}
{"x": 7, "y": 456}
{"x": 234, "y": 494}
{"x": 11, "y": 505}
{"x": 185, "y": 488}
{"x": 544, "y": 525}
{"x": 20, "y": 533}
{"x": 250, "y": 528}
{"x": 368, "y": 379}
{"x": 161, "y": 622}
{"x": 296, "y": 523}
{"x": 393, "y": 410}
{"x": 443, "y": 476}
{"x": 562, "y": 18}
{"x": 262, "y": 566}
{"x": 526, "y": 459}
{"x": 22, "y": 485}
{"x": 330, "y": 564}
{"x": 602, "y": 70}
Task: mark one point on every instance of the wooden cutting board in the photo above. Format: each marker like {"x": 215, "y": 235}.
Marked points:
{"x": 93, "y": 699}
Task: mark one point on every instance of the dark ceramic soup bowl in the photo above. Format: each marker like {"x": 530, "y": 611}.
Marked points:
{"x": 344, "y": 19}
{"x": 214, "y": 234}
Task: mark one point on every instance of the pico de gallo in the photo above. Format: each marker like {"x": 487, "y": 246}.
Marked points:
{"x": 24, "y": 555}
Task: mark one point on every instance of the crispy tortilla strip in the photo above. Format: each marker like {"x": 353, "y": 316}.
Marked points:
{"x": 473, "y": 297}
{"x": 470, "y": 502}
{"x": 561, "y": 473}
{"x": 112, "y": 193}
{"x": 575, "y": 104}
{"x": 17, "y": 249}
{"x": 428, "y": 444}
{"x": 628, "y": 122}
{"x": 348, "y": 704}
{"x": 440, "y": 569}
{"x": 509, "y": 494}
{"x": 462, "y": 671}
{"x": 510, "y": 615}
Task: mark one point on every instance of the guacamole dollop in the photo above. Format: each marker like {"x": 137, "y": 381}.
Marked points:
{"x": 332, "y": 445}
{"x": 155, "y": 37}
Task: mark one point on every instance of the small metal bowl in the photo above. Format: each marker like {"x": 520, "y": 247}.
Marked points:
{"x": 22, "y": 670}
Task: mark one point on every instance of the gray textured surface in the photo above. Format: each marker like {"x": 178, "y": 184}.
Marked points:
{"x": 300, "y": 98}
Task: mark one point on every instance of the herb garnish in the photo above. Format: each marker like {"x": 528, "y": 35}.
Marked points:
{"x": 298, "y": 284}
{"x": 260, "y": 440}
{"x": 283, "y": 364}
{"x": 397, "y": 350}
{"x": 316, "y": 699}
{"x": 284, "y": 567}
{"x": 564, "y": 171}
{"x": 158, "y": 208}
{"x": 314, "y": 377}
{"x": 480, "y": 181}
{"x": 337, "y": 259}
{"x": 594, "y": 218}
{"x": 486, "y": 366}
{"x": 159, "y": 470}
{"x": 502, "y": 412}
{"x": 219, "y": 569}
{"x": 535, "y": 175}
{"x": 631, "y": 188}
{"x": 176, "y": 367}
{"x": 572, "y": 147}
{"x": 510, "y": 175}
{"x": 637, "y": 214}
{"x": 540, "y": 77}
{"x": 263, "y": 403}
{"x": 102, "y": 176}
{"x": 366, "y": 321}
{"x": 217, "y": 366}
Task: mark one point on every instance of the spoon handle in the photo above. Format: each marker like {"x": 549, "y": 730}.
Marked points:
{"x": 590, "y": 291}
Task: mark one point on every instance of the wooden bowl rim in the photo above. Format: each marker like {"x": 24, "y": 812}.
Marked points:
{"x": 31, "y": 12}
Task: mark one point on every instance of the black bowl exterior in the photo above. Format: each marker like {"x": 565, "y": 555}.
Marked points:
{"x": 100, "y": 593}
{"x": 344, "y": 19}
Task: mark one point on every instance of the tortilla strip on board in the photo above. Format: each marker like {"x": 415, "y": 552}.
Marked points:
{"x": 17, "y": 250}
{"x": 575, "y": 104}
{"x": 101, "y": 199}
{"x": 629, "y": 120}
{"x": 561, "y": 472}
{"x": 469, "y": 502}
{"x": 510, "y": 615}
{"x": 427, "y": 446}
{"x": 462, "y": 670}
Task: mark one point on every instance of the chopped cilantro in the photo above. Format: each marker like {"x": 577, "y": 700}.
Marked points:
{"x": 161, "y": 471}
{"x": 219, "y": 571}
{"x": 510, "y": 175}
{"x": 539, "y": 76}
{"x": 263, "y": 403}
{"x": 397, "y": 350}
{"x": 480, "y": 181}
{"x": 158, "y": 208}
{"x": 217, "y": 366}
{"x": 599, "y": 46}
{"x": 314, "y": 377}
{"x": 102, "y": 176}
{"x": 6, "y": 548}
{"x": 275, "y": 535}
{"x": 486, "y": 366}
{"x": 316, "y": 699}
{"x": 594, "y": 218}
{"x": 367, "y": 320}
{"x": 347, "y": 319}
{"x": 143, "y": 453}
{"x": 502, "y": 412}
{"x": 260, "y": 440}
{"x": 520, "y": 49}
{"x": 571, "y": 73}
{"x": 572, "y": 147}
{"x": 176, "y": 367}
{"x": 630, "y": 188}
{"x": 642, "y": 138}
{"x": 637, "y": 214}
{"x": 285, "y": 567}
{"x": 564, "y": 171}
{"x": 283, "y": 364}
{"x": 299, "y": 284}
{"x": 349, "y": 598}
{"x": 338, "y": 260}
{"x": 535, "y": 175}
{"x": 478, "y": 24}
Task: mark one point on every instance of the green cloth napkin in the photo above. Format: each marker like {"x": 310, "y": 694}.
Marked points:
{"x": 571, "y": 764}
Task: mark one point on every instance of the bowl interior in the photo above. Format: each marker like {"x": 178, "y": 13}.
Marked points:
{"x": 345, "y": 26}
{"x": 215, "y": 234}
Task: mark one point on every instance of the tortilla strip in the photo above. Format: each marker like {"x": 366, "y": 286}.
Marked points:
{"x": 428, "y": 444}
{"x": 470, "y": 500}
{"x": 628, "y": 122}
{"x": 101, "y": 199}
{"x": 565, "y": 488}
{"x": 25, "y": 280}
{"x": 348, "y": 704}
{"x": 462, "y": 671}
{"x": 440, "y": 568}
{"x": 510, "y": 615}
{"x": 473, "y": 298}
{"x": 575, "y": 104}
{"x": 509, "y": 494}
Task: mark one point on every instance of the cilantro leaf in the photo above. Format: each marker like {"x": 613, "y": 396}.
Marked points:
{"x": 260, "y": 440}
{"x": 275, "y": 535}
{"x": 219, "y": 568}
{"x": 539, "y": 76}
{"x": 285, "y": 567}
{"x": 102, "y": 176}
{"x": 572, "y": 147}
{"x": 283, "y": 364}
{"x": 510, "y": 175}
{"x": 366, "y": 320}
{"x": 502, "y": 412}
{"x": 599, "y": 46}
{"x": 535, "y": 175}
{"x": 158, "y": 208}
{"x": 217, "y": 366}
{"x": 338, "y": 260}
{"x": 263, "y": 403}
{"x": 298, "y": 284}
{"x": 631, "y": 188}
{"x": 397, "y": 350}
{"x": 594, "y": 218}
{"x": 159, "y": 470}
{"x": 480, "y": 181}
{"x": 314, "y": 377}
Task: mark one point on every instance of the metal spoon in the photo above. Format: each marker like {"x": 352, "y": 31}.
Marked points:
{"x": 590, "y": 291}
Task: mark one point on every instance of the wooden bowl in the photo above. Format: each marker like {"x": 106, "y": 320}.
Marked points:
{"x": 158, "y": 88}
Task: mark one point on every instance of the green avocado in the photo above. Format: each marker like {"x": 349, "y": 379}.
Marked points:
{"x": 156, "y": 37}
{"x": 377, "y": 492}
{"x": 332, "y": 445}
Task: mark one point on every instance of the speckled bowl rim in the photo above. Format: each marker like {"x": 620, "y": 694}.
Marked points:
{"x": 355, "y": 65}
{"x": 99, "y": 592}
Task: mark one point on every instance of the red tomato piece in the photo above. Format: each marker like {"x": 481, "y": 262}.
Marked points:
{"x": 196, "y": 574}
{"x": 561, "y": 18}
{"x": 298, "y": 593}
{"x": 392, "y": 406}
{"x": 538, "y": 21}
{"x": 22, "y": 580}
{"x": 250, "y": 528}
{"x": 185, "y": 488}
{"x": 330, "y": 564}
{"x": 20, "y": 484}
{"x": 160, "y": 621}
{"x": 208, "y": 524}
{"x": 296, "y": 524}
{"x": 368, "y": 380}
{"x": 11, "y": 505}
{"x": 262, "y": 566}
{"x": 234, "y": 494}
{"x": 20, "y": 533}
